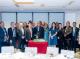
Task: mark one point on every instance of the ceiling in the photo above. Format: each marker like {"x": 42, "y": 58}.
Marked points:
{"x": 40, "y": 6}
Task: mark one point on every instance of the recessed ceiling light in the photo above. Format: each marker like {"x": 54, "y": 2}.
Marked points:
{"x": 42, "y": 5}
{"x": 16, "y": 5}
{"x": 24, "y": 1}
{"x": 71, "y": 2}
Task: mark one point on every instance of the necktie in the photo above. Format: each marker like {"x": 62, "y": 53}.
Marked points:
{"x": 14, "y": 33}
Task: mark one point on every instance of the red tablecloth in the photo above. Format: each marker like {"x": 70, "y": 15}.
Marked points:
{"x": 41, "y": 46}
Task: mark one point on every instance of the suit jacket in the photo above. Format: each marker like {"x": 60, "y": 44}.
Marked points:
{"x": 10, "y": 33}
{"x": 39, "y": 33}
{"x": 34, "y": 31}
{"x": 76, "y": 32}
{"x": 27, "y": 34}
{"x": 2, "y": 34}
{"x": 19, "y": 34}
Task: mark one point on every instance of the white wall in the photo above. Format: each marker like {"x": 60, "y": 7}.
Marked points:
{"x": 78, "y": 18}
{"x": 72, "y": 17}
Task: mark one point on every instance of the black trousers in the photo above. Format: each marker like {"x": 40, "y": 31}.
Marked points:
{"x": 79, "y": 47}
{"x": 60, "y": 45}
{"x": 1, "y": 44}
{"x": 14, "y": 41}
{"x": 67, "y": 44}
{"x": 21, "y": 44}
{"x": 74, "y": 43}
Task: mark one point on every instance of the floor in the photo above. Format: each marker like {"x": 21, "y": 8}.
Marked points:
{"x": 77, "y": 54}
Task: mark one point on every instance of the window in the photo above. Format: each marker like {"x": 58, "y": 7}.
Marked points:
{"x": 8, "y": 18}
{"x": 56, "y": 17}
{"x": 24, "y": 17}
{"x": 40, "y": 17}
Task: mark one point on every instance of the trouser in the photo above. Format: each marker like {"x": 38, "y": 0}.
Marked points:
{"x": 74, "y": 43}
{"x": 67, "y": 44}
{"x": 14, "y": 42}
{"x": 60, "y": 45}
{"x": 1, "y": 44}
{"x": 0, "y": 47}
{"x": 79, "y": 47}
{"x": 21, "y": 45}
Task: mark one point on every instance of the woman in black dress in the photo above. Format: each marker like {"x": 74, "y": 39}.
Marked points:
{"x": 60, "y": 36}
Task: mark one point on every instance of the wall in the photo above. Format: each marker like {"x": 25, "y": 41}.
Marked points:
{"x": 72, "y": 17}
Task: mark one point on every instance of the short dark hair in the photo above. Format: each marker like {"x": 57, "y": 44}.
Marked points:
{"x": 59, "y": 23}
{"x": 12, "y": 22}
{"x": 27, "y": 26}
{"x": 30, "y": 22}
{"x": 74, "y": 22}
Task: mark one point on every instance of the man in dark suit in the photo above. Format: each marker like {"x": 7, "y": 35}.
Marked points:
{"x": 75, "y": 33}
{"x": 34, "y": 31}
{"x": 38, "y": 31}
{"x": 3, "y": 34}
{"x": 12, "y": 35}
{"x": 23, "y": 36}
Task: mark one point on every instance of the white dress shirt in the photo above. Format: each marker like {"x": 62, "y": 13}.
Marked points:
{"x": 22, "y": 31}
{"x": 74, "y": 31}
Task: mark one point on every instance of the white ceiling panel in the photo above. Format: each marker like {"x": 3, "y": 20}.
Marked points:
{"x": 40, "y": 5}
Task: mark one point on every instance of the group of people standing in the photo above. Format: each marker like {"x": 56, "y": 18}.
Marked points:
{"x": 66, "y": 37}
{"x": 18, "y": 35}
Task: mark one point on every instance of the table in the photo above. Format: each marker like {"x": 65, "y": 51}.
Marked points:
{"x": 41, "y": 46}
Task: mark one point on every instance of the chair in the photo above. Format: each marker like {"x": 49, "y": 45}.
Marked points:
{"x": 68, "y": 53}
{"x": 52, "y": 50}
{"x": 64, "y": 52}
{"x": 31, "y": 50}
{"x": 7, "y": 49}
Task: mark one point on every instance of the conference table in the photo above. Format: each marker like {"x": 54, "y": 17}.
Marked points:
{"x": 40, "y": 44}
